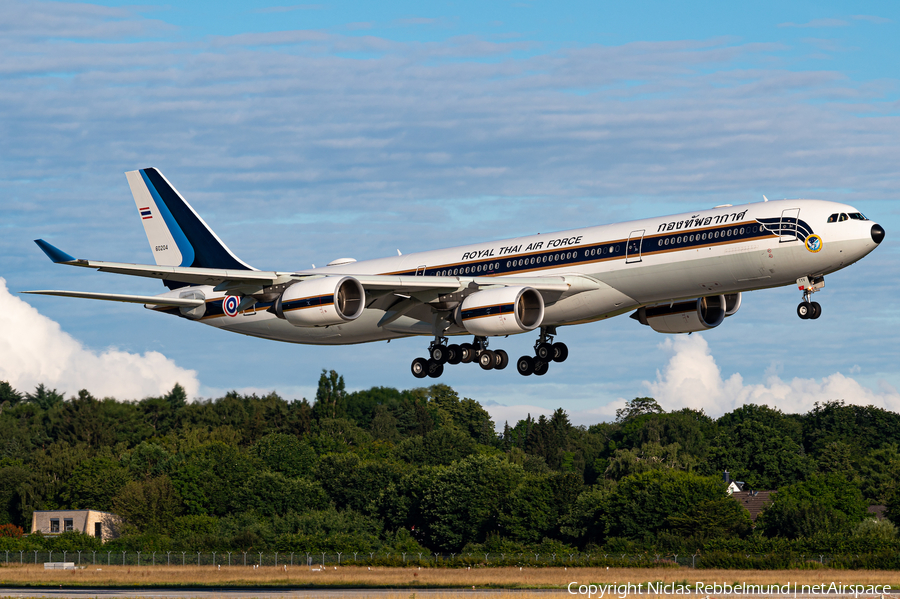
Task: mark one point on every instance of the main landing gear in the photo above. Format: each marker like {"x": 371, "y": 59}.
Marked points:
{"x": 441, "y": 353}
{"x": 545, "y": 351}
{"x": 808, "y": 310}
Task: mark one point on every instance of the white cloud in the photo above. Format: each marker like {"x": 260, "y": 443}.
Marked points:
{"x": 691, "y": 379}
{"x": 34, "y": 350}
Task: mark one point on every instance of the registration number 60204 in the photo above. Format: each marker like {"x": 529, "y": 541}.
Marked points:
{"x": 161, "y": 248}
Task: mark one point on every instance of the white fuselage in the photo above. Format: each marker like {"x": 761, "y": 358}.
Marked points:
{"x": 627, "y": 265}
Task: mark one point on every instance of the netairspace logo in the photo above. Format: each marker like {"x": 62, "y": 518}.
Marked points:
{"x": 700, "y": 588}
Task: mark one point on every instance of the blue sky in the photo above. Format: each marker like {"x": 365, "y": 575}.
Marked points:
{"x": 303, "y": 133}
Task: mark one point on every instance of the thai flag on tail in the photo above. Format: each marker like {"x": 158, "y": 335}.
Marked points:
{"x": 145, "y": 213}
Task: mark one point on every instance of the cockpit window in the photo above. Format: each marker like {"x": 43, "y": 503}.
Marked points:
{"x": 857, "y": 216}
{"x": 842, "y": 218}
{"x": 833, "y": 218}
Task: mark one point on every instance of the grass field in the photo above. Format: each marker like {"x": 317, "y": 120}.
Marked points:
{"x": 351, "y": 576}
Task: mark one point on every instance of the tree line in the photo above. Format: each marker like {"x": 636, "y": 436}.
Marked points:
{"x": 423, "y": 470}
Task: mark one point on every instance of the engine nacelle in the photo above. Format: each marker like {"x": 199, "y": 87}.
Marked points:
{"x": 321, "y": 302}
{"x": 501, "y": 311}
{"x": 689, "y": 316}
{"x": 732, "y": 303}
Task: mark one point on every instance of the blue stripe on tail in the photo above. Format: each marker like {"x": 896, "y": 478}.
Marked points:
{"x": 201, "y": 248}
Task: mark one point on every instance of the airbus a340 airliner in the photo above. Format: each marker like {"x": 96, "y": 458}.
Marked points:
{"x": 676, "y": 274}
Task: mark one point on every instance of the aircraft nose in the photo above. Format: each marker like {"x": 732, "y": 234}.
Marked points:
{"x": 877, "y": 233}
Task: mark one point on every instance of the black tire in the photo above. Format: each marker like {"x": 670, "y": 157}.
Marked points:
{"x": 560, "y": 352}
{"x": 435, "y": 369}
{"x": 468, "y": 353}
{"x": 803, "y": 310}
{"x": 502, "y": 360}
{"x": 541, "y": 367}
{"x": 419, "y": 368}
{"x": 544, "y": 351}
{"x": 454, "y": 354}
{"x": 440, "y": 354}
{"x": 816, "y": 310}
{"x": 525, "y": 365}
{"x": 487, "y": 359}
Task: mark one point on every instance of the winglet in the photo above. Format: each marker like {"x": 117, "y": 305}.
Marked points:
{"x": 54, "y": 253}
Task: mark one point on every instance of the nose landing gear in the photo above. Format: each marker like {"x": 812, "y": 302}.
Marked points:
{"x": 808, "y": 310}
{"x": 545, "y": 351}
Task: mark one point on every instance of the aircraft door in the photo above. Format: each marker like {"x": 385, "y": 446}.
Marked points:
{"x": 633, "y": 247}
{"x": 788, "y": 226}
{"x": 420, "y": 271}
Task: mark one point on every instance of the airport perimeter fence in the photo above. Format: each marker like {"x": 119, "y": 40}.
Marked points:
{"x": 773, "y": 561}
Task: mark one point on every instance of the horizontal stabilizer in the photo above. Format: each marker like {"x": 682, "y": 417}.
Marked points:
{"x": 118, "y": 297}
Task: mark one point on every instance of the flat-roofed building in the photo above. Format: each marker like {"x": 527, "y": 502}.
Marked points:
{"x": 102, "y": 525}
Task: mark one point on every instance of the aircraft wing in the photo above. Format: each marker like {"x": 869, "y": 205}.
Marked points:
{"x": 154, "y": 300}
{"x": 229, "y": 280}
{"x": 385, "y": 290}
{"x": 180, "y": 274}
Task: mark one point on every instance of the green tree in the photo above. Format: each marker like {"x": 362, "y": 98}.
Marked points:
{"x": 12, "y": 479}
{"x": 272, "y": 493}
{"x": 330, "y": 396}
{"x": 822, "y": 504}
{"x": 463, "y": 502}
{"x": 641, "y": 505}
{"x": 94, "y": 484}
{"x": 284, "y": 453}
{"x": 760, "y": 456}
{"x": 711, "y": 518}
{"x": 638, "y": 407}
{"x": 8, "y": 394}
{"x": 438, "y": 447}
{"x": 44, "y": 398}
{"x": 147, "y": 460}
{"x": 148, "y": 505}
{"x": 384, "y": 425}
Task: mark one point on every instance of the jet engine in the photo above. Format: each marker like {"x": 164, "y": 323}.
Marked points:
{"x": 699, "y": 314}
{"x": 501, "y": 311}
{"x": 321, "y": 302}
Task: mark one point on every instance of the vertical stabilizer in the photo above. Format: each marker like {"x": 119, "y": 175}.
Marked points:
{"x": 177, "y": 234}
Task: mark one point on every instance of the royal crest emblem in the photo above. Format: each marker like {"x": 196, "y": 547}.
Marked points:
{"x": 814, "y": 243}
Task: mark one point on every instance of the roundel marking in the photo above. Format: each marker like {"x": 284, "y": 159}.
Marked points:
{"x": 230, "y": 305}
{"x": 814, "y": 243}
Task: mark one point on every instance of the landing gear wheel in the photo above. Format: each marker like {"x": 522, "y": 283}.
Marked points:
{"x": 487, "y": 359}
{"x": 454, "y": 354}
{"x": 815, "y": 310}
{"x": 560, "y": 352}
{"x": 468, "y": 353}
{"x": 502, "y": 360}
{"x": 525, "y": 365}
{"x": 435, "y": 369}
{"x": 440, "y": 354}
{"x": 544, "y": 351}
{"x": 804, "y": 310}
{"x": 419, "y": 368}
{"x": 541, "y": 367}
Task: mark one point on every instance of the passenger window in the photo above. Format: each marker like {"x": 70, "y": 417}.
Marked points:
{"x": 842, "y": 218}
{"x": 832, "y": 218}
